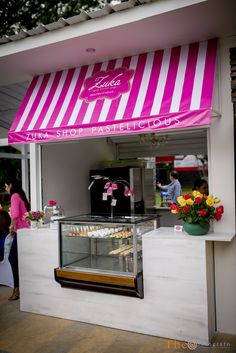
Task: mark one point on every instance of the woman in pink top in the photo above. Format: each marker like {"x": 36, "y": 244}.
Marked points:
{"x": 19, "y": 206}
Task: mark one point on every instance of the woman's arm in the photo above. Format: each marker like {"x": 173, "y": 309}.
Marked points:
{"x": 12, "y": 228}
{"x": 15, "y": 206}
{"x": 15, "y": 212}
{"x": 162, "y": 187}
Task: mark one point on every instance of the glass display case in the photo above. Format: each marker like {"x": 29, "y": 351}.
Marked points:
{"x": 103, "y": 253}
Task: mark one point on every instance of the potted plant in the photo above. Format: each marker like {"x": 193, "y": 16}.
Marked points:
{"x": 196, "y": 210}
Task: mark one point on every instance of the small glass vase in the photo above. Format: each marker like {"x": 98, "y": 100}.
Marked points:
{"x": 51, "y": 212}
{"x": 34, "y": 224}
{"x": 196, "y": 229}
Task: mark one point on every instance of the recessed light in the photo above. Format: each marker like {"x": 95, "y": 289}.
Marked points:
{"x": 90, "y": 50}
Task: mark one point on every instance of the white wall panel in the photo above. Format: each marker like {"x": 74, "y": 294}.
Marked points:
{"x": 222, "y": 183}
{"x": 65, "y": 172}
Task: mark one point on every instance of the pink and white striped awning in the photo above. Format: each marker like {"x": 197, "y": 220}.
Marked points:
{"x": 163, "y": 90}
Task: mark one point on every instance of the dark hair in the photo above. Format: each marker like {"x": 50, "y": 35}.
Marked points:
{"x": 5, "y": 221}
{"x": 16, "y": 188}
{"x": 198, "y": 183}
{"x": 174, "y": 175}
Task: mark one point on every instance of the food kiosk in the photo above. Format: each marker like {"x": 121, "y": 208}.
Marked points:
{"x": 162, "y": 91}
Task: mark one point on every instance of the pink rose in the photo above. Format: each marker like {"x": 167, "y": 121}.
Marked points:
{"x": 52, "y": 203}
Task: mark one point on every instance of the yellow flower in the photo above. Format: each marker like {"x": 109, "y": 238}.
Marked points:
{"x": 181, "y": 201}
{"x": 216, "y": 200}
{"x": 210, "y": 202}
{"x": 189, "y": 202}
{"x": 197, "y": 194}
{"x": 174, "y": 211}
{"x": 210, "y": 197}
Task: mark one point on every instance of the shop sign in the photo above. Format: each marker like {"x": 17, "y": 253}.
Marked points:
{"x": 152, "y": 124}
{"x": 107, "y": 84}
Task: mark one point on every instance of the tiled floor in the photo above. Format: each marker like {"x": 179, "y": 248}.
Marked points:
{"x": 22, "y": 332}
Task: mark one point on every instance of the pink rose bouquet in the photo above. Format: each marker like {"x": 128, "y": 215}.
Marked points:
{"x": 33, "y": 215}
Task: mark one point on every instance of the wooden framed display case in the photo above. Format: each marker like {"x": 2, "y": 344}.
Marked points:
{"x": 102, "y": 253}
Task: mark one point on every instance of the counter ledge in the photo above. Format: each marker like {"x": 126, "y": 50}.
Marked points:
{"x": 169, "y": 233}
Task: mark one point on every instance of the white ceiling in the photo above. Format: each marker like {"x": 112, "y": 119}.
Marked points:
{"x": 174, "y": 143}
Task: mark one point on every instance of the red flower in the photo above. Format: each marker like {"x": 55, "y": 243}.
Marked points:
{"x": 52, "y": 203}
{"x": 220, "y": 210}
{"x": 174, "y": 207}
{"x": 198, "y": 200}
{"x": 186, "y": 209}
{"x": 187, "y": 196}
{"x": 218, "y": 216}
{"x": 202, "y": 212}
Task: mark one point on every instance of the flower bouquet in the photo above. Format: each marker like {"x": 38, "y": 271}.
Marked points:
{"x": 34, "y": 217}
{"x": 197, "y": 209}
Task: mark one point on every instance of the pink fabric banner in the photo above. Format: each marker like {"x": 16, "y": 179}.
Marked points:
{"x": 164, "y": 90}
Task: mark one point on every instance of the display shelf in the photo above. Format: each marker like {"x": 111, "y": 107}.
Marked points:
{"x": 98, "y": 237}
{"x": 107, "y": 264}
{"x": 111, "y": 246}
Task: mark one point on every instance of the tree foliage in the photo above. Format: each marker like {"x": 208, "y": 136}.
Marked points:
{"x": 28, "y": 14}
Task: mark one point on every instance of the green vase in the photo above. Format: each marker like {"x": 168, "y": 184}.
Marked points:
{"x": 196, "y": 229}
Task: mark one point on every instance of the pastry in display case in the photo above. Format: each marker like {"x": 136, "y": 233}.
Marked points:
{"x": 103, "y": 253}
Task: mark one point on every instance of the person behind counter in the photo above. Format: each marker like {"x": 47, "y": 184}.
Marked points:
{"x": 173, "y": 189}
{"x": 201, "y": 185}
{"x": 18, "y": 207}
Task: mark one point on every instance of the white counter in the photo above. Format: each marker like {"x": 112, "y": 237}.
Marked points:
{"x": 178, "y": 286}
{"x": 169, "y": 233}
